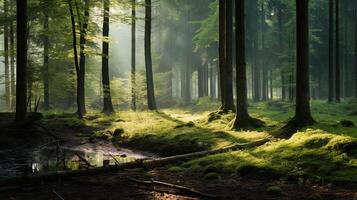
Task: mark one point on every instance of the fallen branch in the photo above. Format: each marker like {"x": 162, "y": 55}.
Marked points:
{"x": 83, "y": 160}
{"x": 59, "y": 196}
{"x": 150, "y": 164}
{"x": 184, "y": 189}
{"x": 115, "y": 160}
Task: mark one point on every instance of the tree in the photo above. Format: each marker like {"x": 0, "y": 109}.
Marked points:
{"x": 148, "y": 58}
{"x": 107, "y": 99}
{"x": 46, "y": 41}
{"x": 75, "y": 53}
{"x": 337, "y": 65}
{"x": 133, "y": 54}
{"x": 242, "y": 119}
{"x": 6, "y": 51}
{"x": 83, "y": 26}
{"x": 331, "y": 64}
{"x": 355, "y": 77}
{"x": 302, "y": 110}
{"x": 21, "y": 75}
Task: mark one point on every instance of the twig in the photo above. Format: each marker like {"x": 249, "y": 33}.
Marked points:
{"x": 116, "y": 161}
{"x": 59, "y": 196}
{"x": 83, "y": 159}
{"x": 182, "y": 188}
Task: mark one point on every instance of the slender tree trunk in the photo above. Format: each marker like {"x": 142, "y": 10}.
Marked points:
{"x": 222, "y": 51}
{"x": 46, "y": 94}
{"x": 75, "y": 53}
{"x": 242, "y": 119}
{"x": 338, "y": 78}
{"x": 12, "y": 66}
{"x": 302, "y": 114}
{"x": 82, "y": 55}
{"x": 331, "y": 64}
{"x": 280, "y": 32}
{"x": 6, "y": 55}
{"x": 107, "y": 98}
{"x": 228, "y": 78}
{"x": 133, "y": 55}
{"x": 21, "y": 75}
{"x": 148, "y": 58}
{"x": 355, "y": 78}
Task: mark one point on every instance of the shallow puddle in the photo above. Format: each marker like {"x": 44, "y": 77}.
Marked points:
{"x": 59, "y": 158}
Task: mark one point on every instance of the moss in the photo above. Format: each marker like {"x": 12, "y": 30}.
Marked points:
{"x": 314, "y": 197}
{"x": 175, "y": 169}
{"x": 211, "y": 176}
{"x": 274, "y": 190}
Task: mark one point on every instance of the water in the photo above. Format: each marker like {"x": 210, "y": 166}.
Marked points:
{"x": 58, "y": 158}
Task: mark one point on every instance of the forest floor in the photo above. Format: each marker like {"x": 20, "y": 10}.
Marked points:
{"x": 319, "y": 162}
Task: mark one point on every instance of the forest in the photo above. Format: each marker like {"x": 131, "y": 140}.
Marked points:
{"x": 178, "y": 99}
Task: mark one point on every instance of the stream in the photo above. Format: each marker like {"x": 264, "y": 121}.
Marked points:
{"x": 55, "y": 157}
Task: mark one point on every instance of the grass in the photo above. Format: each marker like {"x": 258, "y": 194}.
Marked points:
{"x": 323, "y": 152}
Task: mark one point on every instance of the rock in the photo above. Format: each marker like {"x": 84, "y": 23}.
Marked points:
{"x": 347, "y": 123}
{"x": 118, "y": 132}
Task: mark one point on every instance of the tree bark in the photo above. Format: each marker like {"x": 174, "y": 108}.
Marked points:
{"x": 107, "y": 98}
{"x": 242, "y": 119}
{"x": 6, "y": 59}
{"x": 337, "y": 66}
{"x": 331, "y": 64}
{"x": 75, "y": 53}
{"x": 133, "y": 55}
{"x": 355, "y": 78}
{"x": 46, "y": 95}
{"x": 302, "y": 114}
{"x": 21, "y": 75}
{"x": 148, "y": 58}
{"x": 12, "y": 66}
{"x": 222, "y": 50}
{"x": 280, "y": 32}
{"x": 228, "y": 77}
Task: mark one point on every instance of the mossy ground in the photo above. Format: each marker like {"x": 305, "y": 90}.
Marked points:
{"x": 325, "y": 152}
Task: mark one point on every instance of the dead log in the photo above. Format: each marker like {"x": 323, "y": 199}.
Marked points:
{"x": 140, "y": 163}
{"x": 150, "y": 164}
{"x": 186, "y": 190}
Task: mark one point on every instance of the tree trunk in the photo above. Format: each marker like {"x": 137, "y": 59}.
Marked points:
{"x": 133, "y": 55}
{"x": 228, "y": 77}
{"x": 6, "y": 55}
{"x": 75, "y": 53}
{"x": 262, "y": 56}
{"x": 107, "y": 98}
{"x": 82, "y": 56}
{"x": 21, "y": 75}
{"x": 222, "y": 50}
{"x": 331, "y": 64}
{"x": 302, "y": 114}
{"x": 280, "y": 31}
{"x": 46, "y": 95}
{"x": 12, "y": 66}
{"x": 148, "y": 58}
{"x": 242, "y": 119}
{"x": 355, "y": 78}
{"x": 338, "y": 81}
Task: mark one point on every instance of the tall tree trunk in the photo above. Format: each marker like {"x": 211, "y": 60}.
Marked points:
{"x": 338, "y": 78}
{"x": 83, "y": 24}
{"x": 242, "y": 119}
{"x": 107, "y": 98}
{"x": 262, "y": 56}
{"x": 133, "y": 55}
{"x": 6, "y": 55}
{"x": 280, "y": 32}
{"x": 331, "y": 64}
{"x": 228, "y": 77}
{"x": 21, "y": 75}
{"x": 46, "y": 94}
{"x": 75, "y": 53}
{"x": 222, "y": 51}
{"x": 302, "y": 114}
{"x": 355, "y": 78}
{"x": 148, "y": 58}
{"x": 12, "y": 66}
